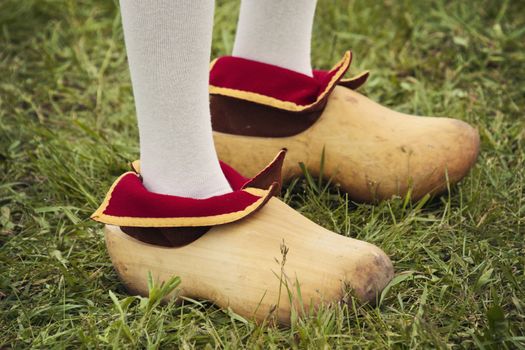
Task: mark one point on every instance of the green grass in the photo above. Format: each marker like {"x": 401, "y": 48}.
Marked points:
{"x": 67, "y": 128}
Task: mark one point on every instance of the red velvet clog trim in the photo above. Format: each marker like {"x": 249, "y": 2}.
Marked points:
{"x": 278, "y": 87}
{"x": 129, "y": 203}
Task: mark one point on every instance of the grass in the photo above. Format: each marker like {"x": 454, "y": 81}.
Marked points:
{"x": 67, "y": 128}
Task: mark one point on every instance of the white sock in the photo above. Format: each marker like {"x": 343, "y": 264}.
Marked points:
{"x": 169, "y": 44}
{"x": 277, "y": 32}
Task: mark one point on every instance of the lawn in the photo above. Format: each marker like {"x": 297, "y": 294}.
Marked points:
{"x": 67, "y": 129}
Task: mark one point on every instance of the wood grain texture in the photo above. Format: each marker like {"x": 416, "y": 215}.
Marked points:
{"x": 238, "y": 265}
{"x": 373, "y": 152}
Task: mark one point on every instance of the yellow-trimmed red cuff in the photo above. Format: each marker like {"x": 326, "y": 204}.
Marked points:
{"x": 278, "y": 87}
{"x": 129, "y": 203}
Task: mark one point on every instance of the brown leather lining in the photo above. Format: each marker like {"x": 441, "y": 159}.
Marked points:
{"x": 166, "y": 236}
{"x": 355, "y": 82}
{"x": 238, "y": 117}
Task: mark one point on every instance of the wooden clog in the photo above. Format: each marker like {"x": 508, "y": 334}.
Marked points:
{"x": 238, "y": 265}
{"x": 371, "y": 151}
{"x": 261, "y": 265}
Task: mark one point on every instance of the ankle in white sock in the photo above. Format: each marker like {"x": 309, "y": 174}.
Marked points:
{"x": 168, "y": 44}
{"x": 277, "y": 32}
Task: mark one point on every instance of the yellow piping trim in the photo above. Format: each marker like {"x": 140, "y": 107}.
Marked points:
{"x": 135, "y": 165}
{"x": 259, "y": 192}
{"x": 273, "y": 102}
{"x": 212, "y": 63}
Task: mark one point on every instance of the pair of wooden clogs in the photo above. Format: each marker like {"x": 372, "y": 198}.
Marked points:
{"x": 249, "y": 251}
